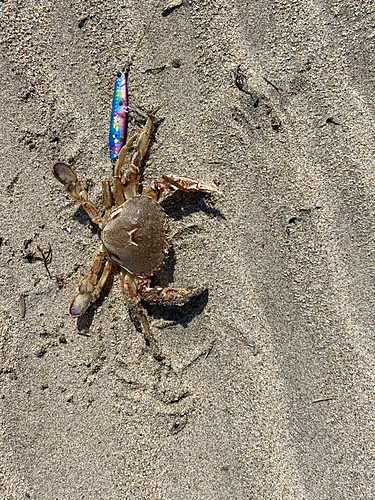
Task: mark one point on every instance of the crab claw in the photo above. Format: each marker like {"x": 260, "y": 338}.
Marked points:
{"x": 67, "y": 176}
{"x": 89, "y": 288}
{"x": 83, "y": 297}
{"x": 64, "y": 173}
{"x": 79, "y": 304}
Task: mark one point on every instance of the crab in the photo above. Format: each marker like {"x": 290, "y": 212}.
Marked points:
{"x": 134, "y": 231}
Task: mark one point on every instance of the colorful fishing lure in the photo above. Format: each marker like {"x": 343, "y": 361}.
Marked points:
{"x": 117, "y": 128}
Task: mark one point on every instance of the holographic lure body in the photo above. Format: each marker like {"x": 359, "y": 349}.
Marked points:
{"x": 117, "y": 126}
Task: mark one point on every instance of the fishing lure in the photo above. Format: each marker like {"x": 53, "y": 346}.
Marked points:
{"x": 117, "y": 127}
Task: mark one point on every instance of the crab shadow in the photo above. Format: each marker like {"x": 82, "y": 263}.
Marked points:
{"x": 181, "y": 204}
{"x": 182, "y": 315}
{"x": 82, "y": 218}
{"x": 165, "y": 275}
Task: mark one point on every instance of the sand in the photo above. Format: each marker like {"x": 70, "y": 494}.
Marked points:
{"x": 264, "y": 387}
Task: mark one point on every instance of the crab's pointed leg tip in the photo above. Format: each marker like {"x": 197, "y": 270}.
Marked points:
{"x": 209, "y": 189}
{"x": 64, "y": 173}
{"x": 154, "y": 111}
{"x": 198, "y": 290}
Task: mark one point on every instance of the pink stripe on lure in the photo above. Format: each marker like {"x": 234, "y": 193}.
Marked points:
{"x": 117, "y": 127}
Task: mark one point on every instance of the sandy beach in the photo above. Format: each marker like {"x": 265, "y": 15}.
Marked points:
{"x": 263, "y": 385}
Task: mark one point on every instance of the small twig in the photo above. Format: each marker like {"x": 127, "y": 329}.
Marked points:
{"x": 218, "y": 162}
{"x": 319, "y": 400}
{"x": 171, "y": 7}
{"x": 155, "y": 70}
{"x": 179, "y": 424}
{"x": 270, "y": 83}
{"x": 22, "y": 305}
{"x": 330, "y": 119}
{"x": 46, "y": 258}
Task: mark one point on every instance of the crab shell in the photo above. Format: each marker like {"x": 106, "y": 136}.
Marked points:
{"x": 135, "y": 236}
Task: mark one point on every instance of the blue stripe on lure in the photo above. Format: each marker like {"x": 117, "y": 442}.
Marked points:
{"x": 117, "y": 127}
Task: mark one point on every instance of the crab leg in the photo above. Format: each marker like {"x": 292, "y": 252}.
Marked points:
{"x": 132, "y": 173}
{"x": 107, "y": 195}
{"x": 130, "y": 291}
{"x": 118, "y": 191}
{"x": 74, "y": 188}
{"x": 89, "y": 288}
{"x": 167, "y": 296}
{"x": 176, "y": 182}
{"x": 137, "y": 314}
